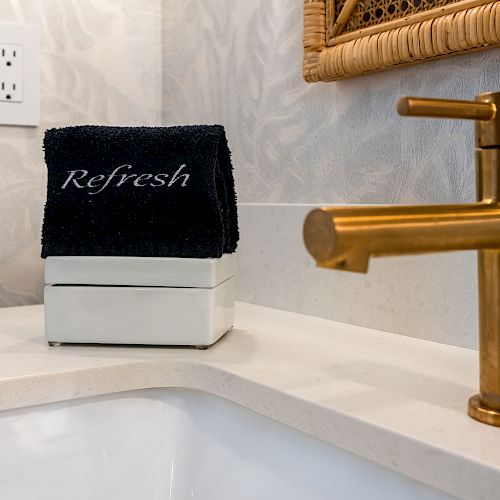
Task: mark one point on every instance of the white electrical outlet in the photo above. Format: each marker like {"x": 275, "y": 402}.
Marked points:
{"x": 19, "y": 74}
{"x": 11, "y": 73}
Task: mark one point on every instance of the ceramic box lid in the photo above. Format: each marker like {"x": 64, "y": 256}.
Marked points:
{"x": 139, "y": 271}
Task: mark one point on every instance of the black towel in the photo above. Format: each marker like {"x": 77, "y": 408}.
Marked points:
{"x": 139, "y": 191}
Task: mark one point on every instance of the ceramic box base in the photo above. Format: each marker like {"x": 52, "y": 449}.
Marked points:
{"x": 138, "y": 315}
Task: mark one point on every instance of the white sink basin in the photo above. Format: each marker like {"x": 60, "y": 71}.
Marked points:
{"x": 178, "y": 444}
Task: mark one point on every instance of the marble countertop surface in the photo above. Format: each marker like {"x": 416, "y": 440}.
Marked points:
{"x": 398, "y": 401}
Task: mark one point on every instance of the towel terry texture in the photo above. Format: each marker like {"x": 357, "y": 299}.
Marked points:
{"x": 139, "y": 191}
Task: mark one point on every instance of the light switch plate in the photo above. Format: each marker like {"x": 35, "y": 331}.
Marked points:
{"x": 19, "y": 74}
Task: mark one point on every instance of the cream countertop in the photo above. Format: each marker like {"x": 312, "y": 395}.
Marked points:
{"x": 398, "y": 401}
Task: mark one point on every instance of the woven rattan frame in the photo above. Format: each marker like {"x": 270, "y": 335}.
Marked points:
{"x": 455, "y": 28}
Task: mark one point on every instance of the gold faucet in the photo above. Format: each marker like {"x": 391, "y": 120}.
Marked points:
{"x": 346, "y": 237}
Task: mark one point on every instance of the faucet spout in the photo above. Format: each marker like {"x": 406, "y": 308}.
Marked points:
{"x": 346, "y": 237}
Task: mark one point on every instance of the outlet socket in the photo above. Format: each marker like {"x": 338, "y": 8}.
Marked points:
{"x": 11, "y": 73}
{"x": 19, "y": 74}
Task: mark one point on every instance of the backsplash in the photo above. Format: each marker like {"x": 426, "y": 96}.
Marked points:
{"x": 432, "y": 297}
{"x": 93, "y": 71}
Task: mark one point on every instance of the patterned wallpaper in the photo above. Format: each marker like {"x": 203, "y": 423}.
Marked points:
{"x": 239, "y": 63}
{"x": 100, "y": 64}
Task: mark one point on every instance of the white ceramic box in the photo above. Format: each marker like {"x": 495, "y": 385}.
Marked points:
{"x": 136, "y": 300}
{"x": 139, "y": 271}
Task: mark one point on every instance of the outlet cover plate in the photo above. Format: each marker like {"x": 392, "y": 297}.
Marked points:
{"x": 19, "y": 74}
{"x": 11, "y": 73}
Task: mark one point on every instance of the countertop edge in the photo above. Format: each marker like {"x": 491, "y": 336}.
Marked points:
{"x": 324, "y": 423}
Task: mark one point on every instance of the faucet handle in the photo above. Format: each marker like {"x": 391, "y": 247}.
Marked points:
{"x": 443, "y": 108}
{"x": 483, "y": 110}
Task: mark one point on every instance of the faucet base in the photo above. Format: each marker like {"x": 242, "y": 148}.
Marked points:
{"x": 483, "y": 413}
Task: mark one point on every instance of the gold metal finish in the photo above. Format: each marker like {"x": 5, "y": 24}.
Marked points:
{"x": 480, "y": 412}
{"x": 488, "y": 132}
{"x": 438, "y": 108}
{"x": 346, "y": 237}
{"x": 483, "y": 110}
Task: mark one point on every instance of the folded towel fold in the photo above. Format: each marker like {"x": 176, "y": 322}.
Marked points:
{"x": 139, "y": 191}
